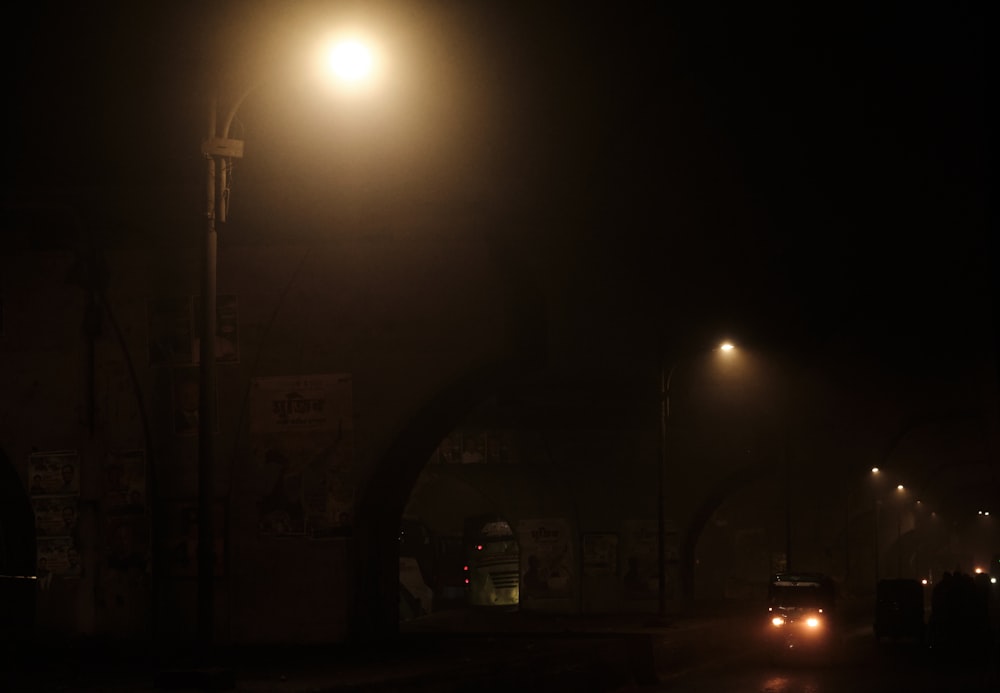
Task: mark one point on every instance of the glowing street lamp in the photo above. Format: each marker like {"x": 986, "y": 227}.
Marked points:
{"x": 353, "y": 62}
{"x": 666, "y": 376}
{"x": 876, "y": 472}
{"x": 851, "y": 494}
{"x": 900, "y": 494}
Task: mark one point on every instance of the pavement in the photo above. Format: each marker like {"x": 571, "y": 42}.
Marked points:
{"x": 451, "y": 651}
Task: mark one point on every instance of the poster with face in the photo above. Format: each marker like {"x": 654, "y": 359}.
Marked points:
{"x": 58, "y": 556}
{"x": 227, "y": 341}
{"x": 54, "y": 473}
{"x": 124, "y": 486}
{"x": 55, "y": 516}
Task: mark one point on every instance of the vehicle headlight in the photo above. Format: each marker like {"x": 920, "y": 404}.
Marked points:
{"x": 813, "y": 622}
{"x": 777, "y": 621}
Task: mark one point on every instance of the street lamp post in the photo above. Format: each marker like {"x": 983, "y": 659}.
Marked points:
{"x": 899, "y": 531}
{"x": 218, "y": 150}
{"x": 351, "y": 61}
{"x": 899, "y": 496}
{"x": 666, "y": 376}
{"x": 853, "y": 501}
{"x": 875, "y": 473}
{"x": 206, "y": 385}
{"x": 661, "y": 520}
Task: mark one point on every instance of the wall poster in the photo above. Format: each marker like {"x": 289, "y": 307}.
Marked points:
{"x": 54, "y": 473}
{"x": 125, "y": 482}
{"x": 546, "y": 558}
{"x": 600, "y": 553}
{"x": 185, "y": 387}
{"x": 302, "y": 430}
{"x": 227, "y": 333}
{"x": 476, "y": 446}
{"x": 54, "y": 489}
{"x": 640, "y": 551}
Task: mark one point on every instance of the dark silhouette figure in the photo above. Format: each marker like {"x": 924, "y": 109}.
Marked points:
{"x": 533, "y": 581}
{"x": 960, "y": 630}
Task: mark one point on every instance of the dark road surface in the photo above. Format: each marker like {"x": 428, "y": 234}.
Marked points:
{"x": 859, "y": 665}
{"x": 718, "y": 653}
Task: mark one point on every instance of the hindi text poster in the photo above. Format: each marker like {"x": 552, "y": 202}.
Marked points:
{"x": 303, "y": 441}
{"x": 546, "y": 558}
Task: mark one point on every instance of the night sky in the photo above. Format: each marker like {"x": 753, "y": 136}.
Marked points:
{"x": 809, "y": 178}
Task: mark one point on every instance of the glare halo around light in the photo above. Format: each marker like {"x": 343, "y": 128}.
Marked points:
{"x": 351, "y": 60}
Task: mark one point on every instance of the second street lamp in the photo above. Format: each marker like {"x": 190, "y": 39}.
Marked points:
{"x": 666, "y": 377}
{"x": 351, "y": 61}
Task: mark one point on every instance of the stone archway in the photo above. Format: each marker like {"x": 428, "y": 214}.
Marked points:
{"x": 375, "y": 607}
{"x": 18, "y": 552}
{"x": 737, "y": 480}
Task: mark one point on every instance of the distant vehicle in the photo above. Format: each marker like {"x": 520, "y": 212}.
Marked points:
{"x": 492, "y": 562}
{"x": 802, "y": 614}
{"x": 899, "y": 610}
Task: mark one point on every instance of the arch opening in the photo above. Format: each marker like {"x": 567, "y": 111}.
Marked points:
{"x": 18, "y": 556}
{"x": 382, "y": 507}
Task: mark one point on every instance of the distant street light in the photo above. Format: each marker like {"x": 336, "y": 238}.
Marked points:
{"x": 666, "y": 376}
{"x": 847, "y": 525}
{"x": 900, "y": 495}
{"x": 899, "y": 530}
{"x": 351, "y": 61}
{"x": 878, "y": 559}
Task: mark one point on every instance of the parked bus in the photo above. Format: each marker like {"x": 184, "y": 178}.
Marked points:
{"x": 493, "y": 564}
